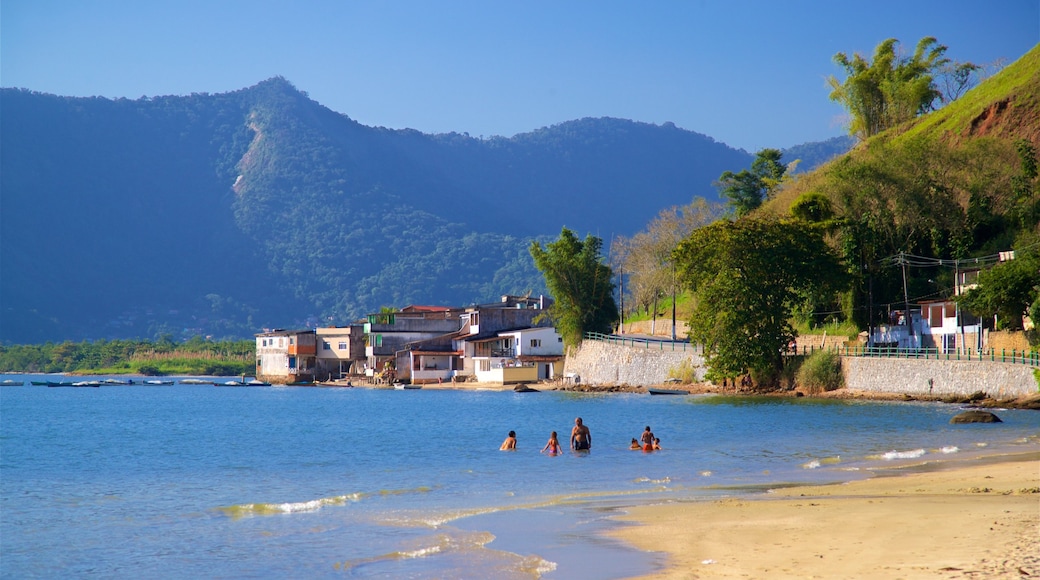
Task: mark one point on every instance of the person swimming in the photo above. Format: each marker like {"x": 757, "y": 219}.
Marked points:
{"x": 657, "y": 444}
{"x": 510, "y": 443}
{"x": 553, "y": 446}
{"x": 635, "y": 444}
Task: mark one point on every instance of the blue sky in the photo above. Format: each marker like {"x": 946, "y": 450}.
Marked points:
{"x": 750, "y": 74}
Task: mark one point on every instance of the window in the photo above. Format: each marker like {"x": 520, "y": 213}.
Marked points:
{"x": 343, "y": 345}
{"x": 263, "y": 342}
{"x": 536, "y": 342}
{"x": 292, "y": 340}
{"x": 325, "y": 345}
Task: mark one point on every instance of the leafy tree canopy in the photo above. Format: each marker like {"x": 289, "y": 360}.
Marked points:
{"x": 893, "y": 88}
{"x": 748, "y": 275}
{"x": 748, "y": 189}
{"x": 645, "y": 259}
{"x": 580, "y": 283}
{"x": 1009, "y": 289}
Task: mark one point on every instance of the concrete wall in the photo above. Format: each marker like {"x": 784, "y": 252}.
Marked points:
{"x": 602, "y": 363}
{"x": 938, "y": 377}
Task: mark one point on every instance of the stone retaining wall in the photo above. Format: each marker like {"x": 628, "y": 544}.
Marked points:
{"x": 603, "y": 363}
{"x": 938, "y": 377}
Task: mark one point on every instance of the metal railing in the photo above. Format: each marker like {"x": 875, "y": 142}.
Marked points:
{"x": 646, "y": 343}
{"x": 1012, "y": 356}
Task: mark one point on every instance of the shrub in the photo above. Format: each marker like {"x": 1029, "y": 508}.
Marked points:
{"x": 149, "y": 370}
{"x": 820, "y": 372}
{"x": 686, "y": 372}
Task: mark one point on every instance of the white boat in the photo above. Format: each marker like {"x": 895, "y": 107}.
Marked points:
{"x": 402, "y": 386}
{"x": 158, "y": 382}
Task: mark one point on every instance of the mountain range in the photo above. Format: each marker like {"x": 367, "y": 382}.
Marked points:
{"x": 224, "y": 214}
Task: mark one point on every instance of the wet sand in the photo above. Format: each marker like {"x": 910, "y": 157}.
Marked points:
{"x": 966, "y": 519}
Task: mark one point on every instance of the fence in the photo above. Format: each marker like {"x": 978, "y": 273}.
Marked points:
{"x": 1014, "y": 356}
{"x": 1025, "y": 357}
{"x": 647, "y": 343}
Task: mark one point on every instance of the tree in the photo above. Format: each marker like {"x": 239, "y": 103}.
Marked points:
{"x": 747, "y": 276}
{"x": 646, "y": 258}
{"x": 580, "y": 283}
{"x": 748, "y": 189}
{"x": 890, "y": 89}
{"x": 1009, "y": 289}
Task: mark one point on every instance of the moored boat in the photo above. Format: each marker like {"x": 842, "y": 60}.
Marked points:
{"x": 668, "y": 392}
{"x": 157, "y": 382}
{"x": 11, "y": 383}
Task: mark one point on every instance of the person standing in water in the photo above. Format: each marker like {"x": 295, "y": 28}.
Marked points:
{"x": 510, "y": 443}
{"x": 581, "y": 437}
{"x": 553, "y": 446}
{"x": 647, "y": 439}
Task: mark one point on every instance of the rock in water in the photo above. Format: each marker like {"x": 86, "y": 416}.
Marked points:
{"x": 975, "y": 417}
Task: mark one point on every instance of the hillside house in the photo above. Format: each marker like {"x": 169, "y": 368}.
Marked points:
{"x": 937, "y": 325}
{"x": 286, "y": 356}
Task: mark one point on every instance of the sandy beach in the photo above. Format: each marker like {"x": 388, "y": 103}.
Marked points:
{"x": 966, "y": 519}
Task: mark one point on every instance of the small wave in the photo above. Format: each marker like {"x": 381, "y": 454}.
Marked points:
{"x": 811, "y": 465}
{"x": 420, "y": 553}
{"x": 949, "y": 449}
{"x": 456, "y": 542}
{"x": 661, "y": 481}
{"x": 903, "y": 454}
{"x": 267, "y": 509}
{"x": 705, "y": 474}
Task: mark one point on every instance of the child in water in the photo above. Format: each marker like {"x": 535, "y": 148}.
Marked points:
{"x": 553, "y": 446}
{"x": 657, "y": 444}
{"x": 635, "y": 444}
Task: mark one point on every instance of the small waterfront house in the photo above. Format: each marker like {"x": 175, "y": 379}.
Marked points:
{"x": 340, "y": 352}
{"x": 487, "y": 338}
{"x": 286, "y": 356}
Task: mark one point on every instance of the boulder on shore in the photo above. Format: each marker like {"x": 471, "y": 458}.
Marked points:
{"x": 975, "y": 416}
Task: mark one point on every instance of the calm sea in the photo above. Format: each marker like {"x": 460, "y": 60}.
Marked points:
{"x": 273, "y": 482}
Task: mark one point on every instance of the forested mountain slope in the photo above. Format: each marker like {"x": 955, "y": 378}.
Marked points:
{"x": 224, "y": 214}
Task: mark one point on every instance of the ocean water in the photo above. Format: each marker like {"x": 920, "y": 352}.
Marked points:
{"x": 192, "y": 481}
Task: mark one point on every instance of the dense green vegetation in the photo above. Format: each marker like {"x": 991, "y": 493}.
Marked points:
{"x": 748, "y": 276}
{"x": 581, "y": 285}
{"x": 139, "y": 357}
{"x": 891, "y": 222}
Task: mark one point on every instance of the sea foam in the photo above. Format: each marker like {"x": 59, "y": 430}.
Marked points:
{"x": 903, "y": 454}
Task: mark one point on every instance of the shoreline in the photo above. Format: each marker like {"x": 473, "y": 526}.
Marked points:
{"x": 970, "y": 518}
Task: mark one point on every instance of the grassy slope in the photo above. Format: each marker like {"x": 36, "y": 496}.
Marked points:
{"x": 1018, "y": 85}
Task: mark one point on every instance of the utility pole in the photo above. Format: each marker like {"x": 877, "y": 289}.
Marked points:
{"x": 906, "y": 303}
{"x": 673, "y": 301}
{"x": 621, "y": 280}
